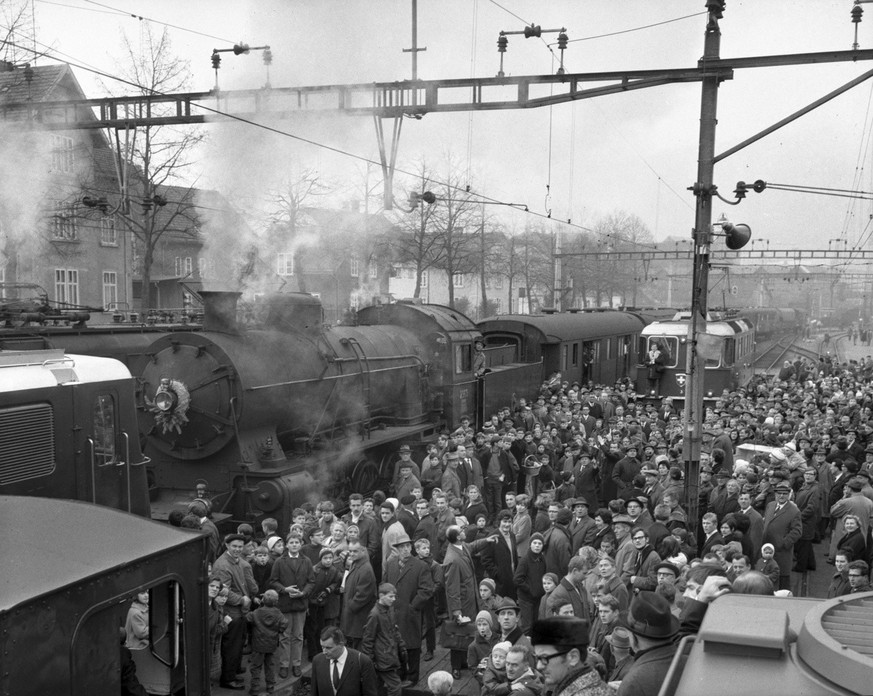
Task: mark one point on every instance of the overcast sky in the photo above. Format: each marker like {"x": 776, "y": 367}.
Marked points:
{"x": 633, "y": 152}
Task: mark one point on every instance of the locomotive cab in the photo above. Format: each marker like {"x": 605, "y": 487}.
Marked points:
{"x": 727, "y": 348}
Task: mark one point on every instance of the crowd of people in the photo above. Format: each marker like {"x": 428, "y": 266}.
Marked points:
{"x": 550, "y": 551}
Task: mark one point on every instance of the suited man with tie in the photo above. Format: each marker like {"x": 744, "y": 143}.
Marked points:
{"x": 341, "y": 671}
{"x": 783, "y": 526}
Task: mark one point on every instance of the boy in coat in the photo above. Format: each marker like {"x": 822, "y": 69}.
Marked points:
{"x": 382, "y": 641}
{"x": 268, "y": 623}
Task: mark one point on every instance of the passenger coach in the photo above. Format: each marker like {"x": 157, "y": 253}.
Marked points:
{"x": 598, "y": 346}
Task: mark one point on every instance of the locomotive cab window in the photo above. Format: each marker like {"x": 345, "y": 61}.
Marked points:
{"x": 104, "y": 424}
{"x": 463, "y": 358}
{"x": 152, "y": 632}
{"x": 666, "y": 344}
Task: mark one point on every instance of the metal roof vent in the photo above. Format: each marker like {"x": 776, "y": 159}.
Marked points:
{"x": 837, "y": 641}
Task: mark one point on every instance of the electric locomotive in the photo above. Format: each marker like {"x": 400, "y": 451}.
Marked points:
{"x": 68, "y": 429}
{"x": 727, "y": 346}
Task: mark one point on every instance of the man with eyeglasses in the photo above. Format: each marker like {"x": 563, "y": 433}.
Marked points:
{"x": 859, "y": 577}
{"x": 560, "y": 645}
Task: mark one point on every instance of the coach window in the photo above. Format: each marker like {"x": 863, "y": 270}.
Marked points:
{"x": 565, "y": 349}
{"x": 463, "y": 358}
{"x": 575, "y": 355}
{"x": 104, "y": 429}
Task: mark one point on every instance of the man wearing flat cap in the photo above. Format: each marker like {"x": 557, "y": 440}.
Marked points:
{"x": 652, "y": 628}
{"x": 560, "y": 646}
{"x": 783, "y": 526}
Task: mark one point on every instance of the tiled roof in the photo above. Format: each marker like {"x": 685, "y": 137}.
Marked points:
{"x": 43, "y": 86}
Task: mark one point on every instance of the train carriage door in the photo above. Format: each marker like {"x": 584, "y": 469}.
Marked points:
{"x": 96, "y": 654}
{"x": 590, "y": 361}
{"x": 105, "y": 464}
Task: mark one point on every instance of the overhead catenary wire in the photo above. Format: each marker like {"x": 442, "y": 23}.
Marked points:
{"x": 352, "y": 155}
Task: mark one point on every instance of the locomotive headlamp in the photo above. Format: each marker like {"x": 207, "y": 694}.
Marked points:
{"x": 165, "y": 398}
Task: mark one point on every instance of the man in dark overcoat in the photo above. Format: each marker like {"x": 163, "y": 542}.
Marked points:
{"x": 412, "y": 579}
{"x": 359, "y": 593}
{"x": 501, "y": 558}
{"x": 782, "y": 528}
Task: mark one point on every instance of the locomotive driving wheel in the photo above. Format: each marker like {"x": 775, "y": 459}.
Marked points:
{"x": 363, "y": 476}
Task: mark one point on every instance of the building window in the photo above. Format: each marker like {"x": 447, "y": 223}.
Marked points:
{"x": 285, "y": 264}
{"x": 64, "y": 222}
{"x": 108, "y": 233}
{"x": 458, "y": 280}
{"x": 374, "y": 270}
{"x": 201, "y": 267}
{"x": 62, "y": 153}
{"x": 189, "y": 266}
{"x": 110, "y": 289}
{"x": 177, "y": 266}
{"x": 67, "y": 286}
{"x": 354, "y": 266}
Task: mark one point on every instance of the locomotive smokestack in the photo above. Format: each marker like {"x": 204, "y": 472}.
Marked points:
{"x": 219, "y": 311}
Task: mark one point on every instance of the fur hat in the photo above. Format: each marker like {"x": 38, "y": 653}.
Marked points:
{"x": 560, "y": 631}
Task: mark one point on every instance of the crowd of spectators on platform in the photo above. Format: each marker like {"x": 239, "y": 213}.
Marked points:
{"x": 551, "y": 551}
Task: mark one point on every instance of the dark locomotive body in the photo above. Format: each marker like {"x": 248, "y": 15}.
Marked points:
{"x": 70, "y": 573}
{"x": 272, "y": 415}
{"x": 68, "y": 430}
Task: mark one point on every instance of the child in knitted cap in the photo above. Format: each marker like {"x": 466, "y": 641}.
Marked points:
{"x": 488, "y": 599}
{"x": 494, "y": 681}
{"x": 767, "y": 565}
{"x": 480, "y": 649}
{"x": 550, "y": 582}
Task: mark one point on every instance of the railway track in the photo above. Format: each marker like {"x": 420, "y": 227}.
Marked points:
{"x": 788, "y": 348}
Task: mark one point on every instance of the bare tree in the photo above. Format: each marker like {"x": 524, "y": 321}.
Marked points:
{"x": 16, "y": 31}
{"x": 285, "y": 233}
{"x": 454, "y": 223}
{"x": 419, "y": 242}
{"x": 622, "y": 231}
{"x": 153, "y": 160}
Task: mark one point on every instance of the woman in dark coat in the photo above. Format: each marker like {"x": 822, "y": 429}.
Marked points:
{"x": 853, "y": 540}
{"x": 529, "y": 580}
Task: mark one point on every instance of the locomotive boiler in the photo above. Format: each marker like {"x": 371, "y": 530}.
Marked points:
{"x": 270, "y": 416}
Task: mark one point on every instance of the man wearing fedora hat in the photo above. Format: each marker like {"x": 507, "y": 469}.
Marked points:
{"x": 652, "y": 628}
{"x": 619, "y": 642}
{"x": 783, "y": 526}
{"x": 560, "y": 647}
{"x": 412, "y": 579}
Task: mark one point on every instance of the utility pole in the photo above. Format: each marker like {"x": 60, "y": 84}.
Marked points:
{"x": 702, "y": 238}
{"x": 415, "y": 49}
